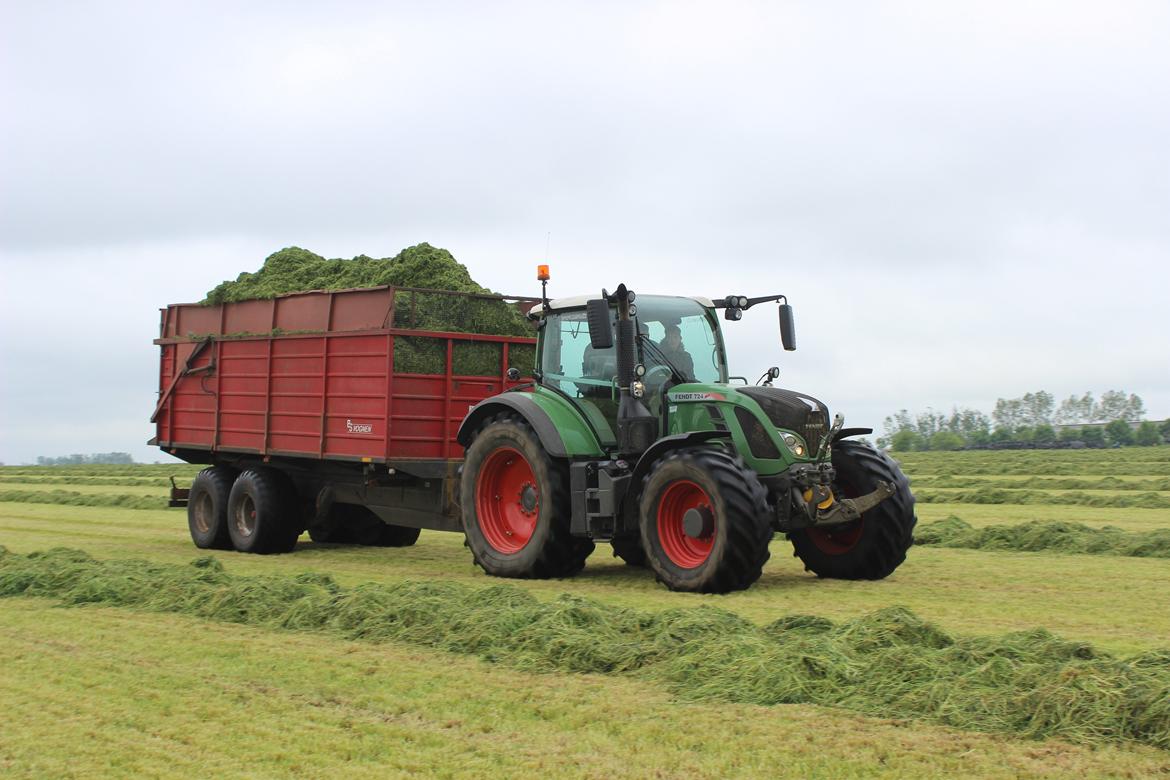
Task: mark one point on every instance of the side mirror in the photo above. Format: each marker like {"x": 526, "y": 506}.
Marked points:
{"x": 787, "y": 328}
{"x": 600, "y": 324}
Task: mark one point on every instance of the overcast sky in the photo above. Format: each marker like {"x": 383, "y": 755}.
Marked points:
{"x": 962, "y": 201}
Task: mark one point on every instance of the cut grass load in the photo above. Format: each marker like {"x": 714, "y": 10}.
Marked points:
{"x": 888, "y": 663}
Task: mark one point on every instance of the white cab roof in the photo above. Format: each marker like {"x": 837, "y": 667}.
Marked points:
{"x": 579, "y": 301}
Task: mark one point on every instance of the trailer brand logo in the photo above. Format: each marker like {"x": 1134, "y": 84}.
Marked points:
{"x": 696, "y": 397}
{"x": 353, "y": 427}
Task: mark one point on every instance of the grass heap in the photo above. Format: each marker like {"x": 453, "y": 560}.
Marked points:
{"x": 991, "y": 495}
{"x": 73, "y": 498}
{"x": 889, "y": 663}
{"x": 1045, "y": 536}
{"x": 298, "y": 270}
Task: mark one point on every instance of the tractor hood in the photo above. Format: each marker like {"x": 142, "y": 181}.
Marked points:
{"x": 789, "y": 410}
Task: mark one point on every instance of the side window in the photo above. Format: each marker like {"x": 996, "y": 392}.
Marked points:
{"x": 699, "y": 340}
{"x": 571, "y": 361}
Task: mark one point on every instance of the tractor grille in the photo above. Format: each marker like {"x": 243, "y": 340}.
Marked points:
{"x": 796, "y": 412}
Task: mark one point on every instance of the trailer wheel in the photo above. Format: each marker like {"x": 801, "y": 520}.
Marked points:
{"x": 629, "y": 549}
{"x": 207, "y": 508}
{"x": 515, "y": 503}
{"x": 705, "y": 522}
{"x": 262, "y": 515}
{"x": 871, "y": 547}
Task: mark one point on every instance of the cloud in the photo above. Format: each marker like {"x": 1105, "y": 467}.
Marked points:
{"x": 961, "y": 203}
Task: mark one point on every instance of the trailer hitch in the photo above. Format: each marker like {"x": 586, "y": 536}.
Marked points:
{"x": 823, "y": 508}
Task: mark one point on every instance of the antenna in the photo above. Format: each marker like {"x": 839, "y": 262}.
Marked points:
{"x": 547, "y": 241}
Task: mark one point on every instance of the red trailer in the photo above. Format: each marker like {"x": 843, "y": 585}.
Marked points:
{"x": 340, "y": 407}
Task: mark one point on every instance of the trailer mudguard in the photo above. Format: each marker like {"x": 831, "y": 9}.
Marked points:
{"x": 563, "y": 431}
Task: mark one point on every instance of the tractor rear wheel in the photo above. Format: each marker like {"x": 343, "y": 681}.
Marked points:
{"x": 207, "y": 508}
{"x": 515, "y": 502}
{"x": 872, "y": 546}
{"x": 262, "y": 513}
{"x": 705, "y": 522}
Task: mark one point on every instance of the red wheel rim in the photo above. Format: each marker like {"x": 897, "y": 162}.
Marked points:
{"x": 837, "y": 541}
{"x": 507, "y": 501}
{"x": 686, "y": 552}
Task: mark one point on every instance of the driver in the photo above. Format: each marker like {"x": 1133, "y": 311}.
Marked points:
{"x": 672, "y": 347}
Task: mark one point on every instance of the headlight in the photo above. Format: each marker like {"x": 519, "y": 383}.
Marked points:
{"x": 794, "y": 444}
{"x": 637, "y": 389}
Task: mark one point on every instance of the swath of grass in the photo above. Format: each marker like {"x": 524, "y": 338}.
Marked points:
{"x": 888, "y": 663}
{"x": 1075, "y": 498}
{"x": 100, "y": 692}
{"x": 1037, "y": 536}
{"x": 1045, "y": 483}
{"x": 74, "y": 498}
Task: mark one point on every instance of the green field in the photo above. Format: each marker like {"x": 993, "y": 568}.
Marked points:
{"x": 121, "y": 690}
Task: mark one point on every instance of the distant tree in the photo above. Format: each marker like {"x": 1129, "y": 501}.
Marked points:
{"x": 1165, "y": 428}
{"x": 906, "y": 440}
{"x": 1071, "y": 434}
{"x": 1008, "y": 413}
{"x": 979, "y": 437}
{"x": 946, "y": 440}
{"x": 1147, "y": 435}
{"x": 1118, "y": 433}
{"x": 1075, "y": 410}
{"x": 1037, "y": 408}
{"x": 1024, "y": 434}
{"x": 971, "y": 424}
{"x": 1001, "y": 434}
{"x": 1044, "y": 434}
{"x": 1116, "y": 405}
{"x": 1093, "y": 436}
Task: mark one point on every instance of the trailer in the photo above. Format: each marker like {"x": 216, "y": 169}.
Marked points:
{"x": 339, "y": 410}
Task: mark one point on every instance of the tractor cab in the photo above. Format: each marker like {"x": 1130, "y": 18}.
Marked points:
{"x": 678, "y": 341}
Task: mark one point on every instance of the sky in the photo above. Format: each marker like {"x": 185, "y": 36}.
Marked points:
{"x": 962, "y": 201}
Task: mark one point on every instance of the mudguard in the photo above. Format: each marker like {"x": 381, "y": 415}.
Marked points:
{"x": 562, "y": 430}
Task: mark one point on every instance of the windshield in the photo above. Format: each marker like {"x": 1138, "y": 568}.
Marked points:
{"x": 685, "y": 333}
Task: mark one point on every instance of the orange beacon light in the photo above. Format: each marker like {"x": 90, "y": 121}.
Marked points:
{"x": 542, "y": 273}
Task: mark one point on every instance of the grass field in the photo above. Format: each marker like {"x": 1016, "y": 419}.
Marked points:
{"x": 309, "y": 708}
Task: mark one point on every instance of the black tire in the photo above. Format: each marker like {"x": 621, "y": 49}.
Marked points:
{"x": 353, "y": 524}
{"x": 629, "y": 549}
{"x": 873, "y": 546}
{"x": 262, "y": 513}
{"x": 730, "y": 551}
{"x": 526, "y": 535}
{"x": 207, "y": 508}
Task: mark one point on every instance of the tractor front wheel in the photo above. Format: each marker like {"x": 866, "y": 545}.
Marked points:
{"x": 515, "y": 502}
{"x": 705, "y": 522}
{"x": 875, "y": 544}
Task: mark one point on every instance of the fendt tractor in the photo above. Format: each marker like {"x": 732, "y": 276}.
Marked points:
{"x": 339, "y": 413}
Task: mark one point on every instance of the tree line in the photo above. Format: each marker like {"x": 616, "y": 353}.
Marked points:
{"x": 1032, "y": 420}
{"x": 102, "y": 458}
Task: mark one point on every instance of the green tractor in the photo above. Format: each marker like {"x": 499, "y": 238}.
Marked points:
{"x": 632, "y": 432}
